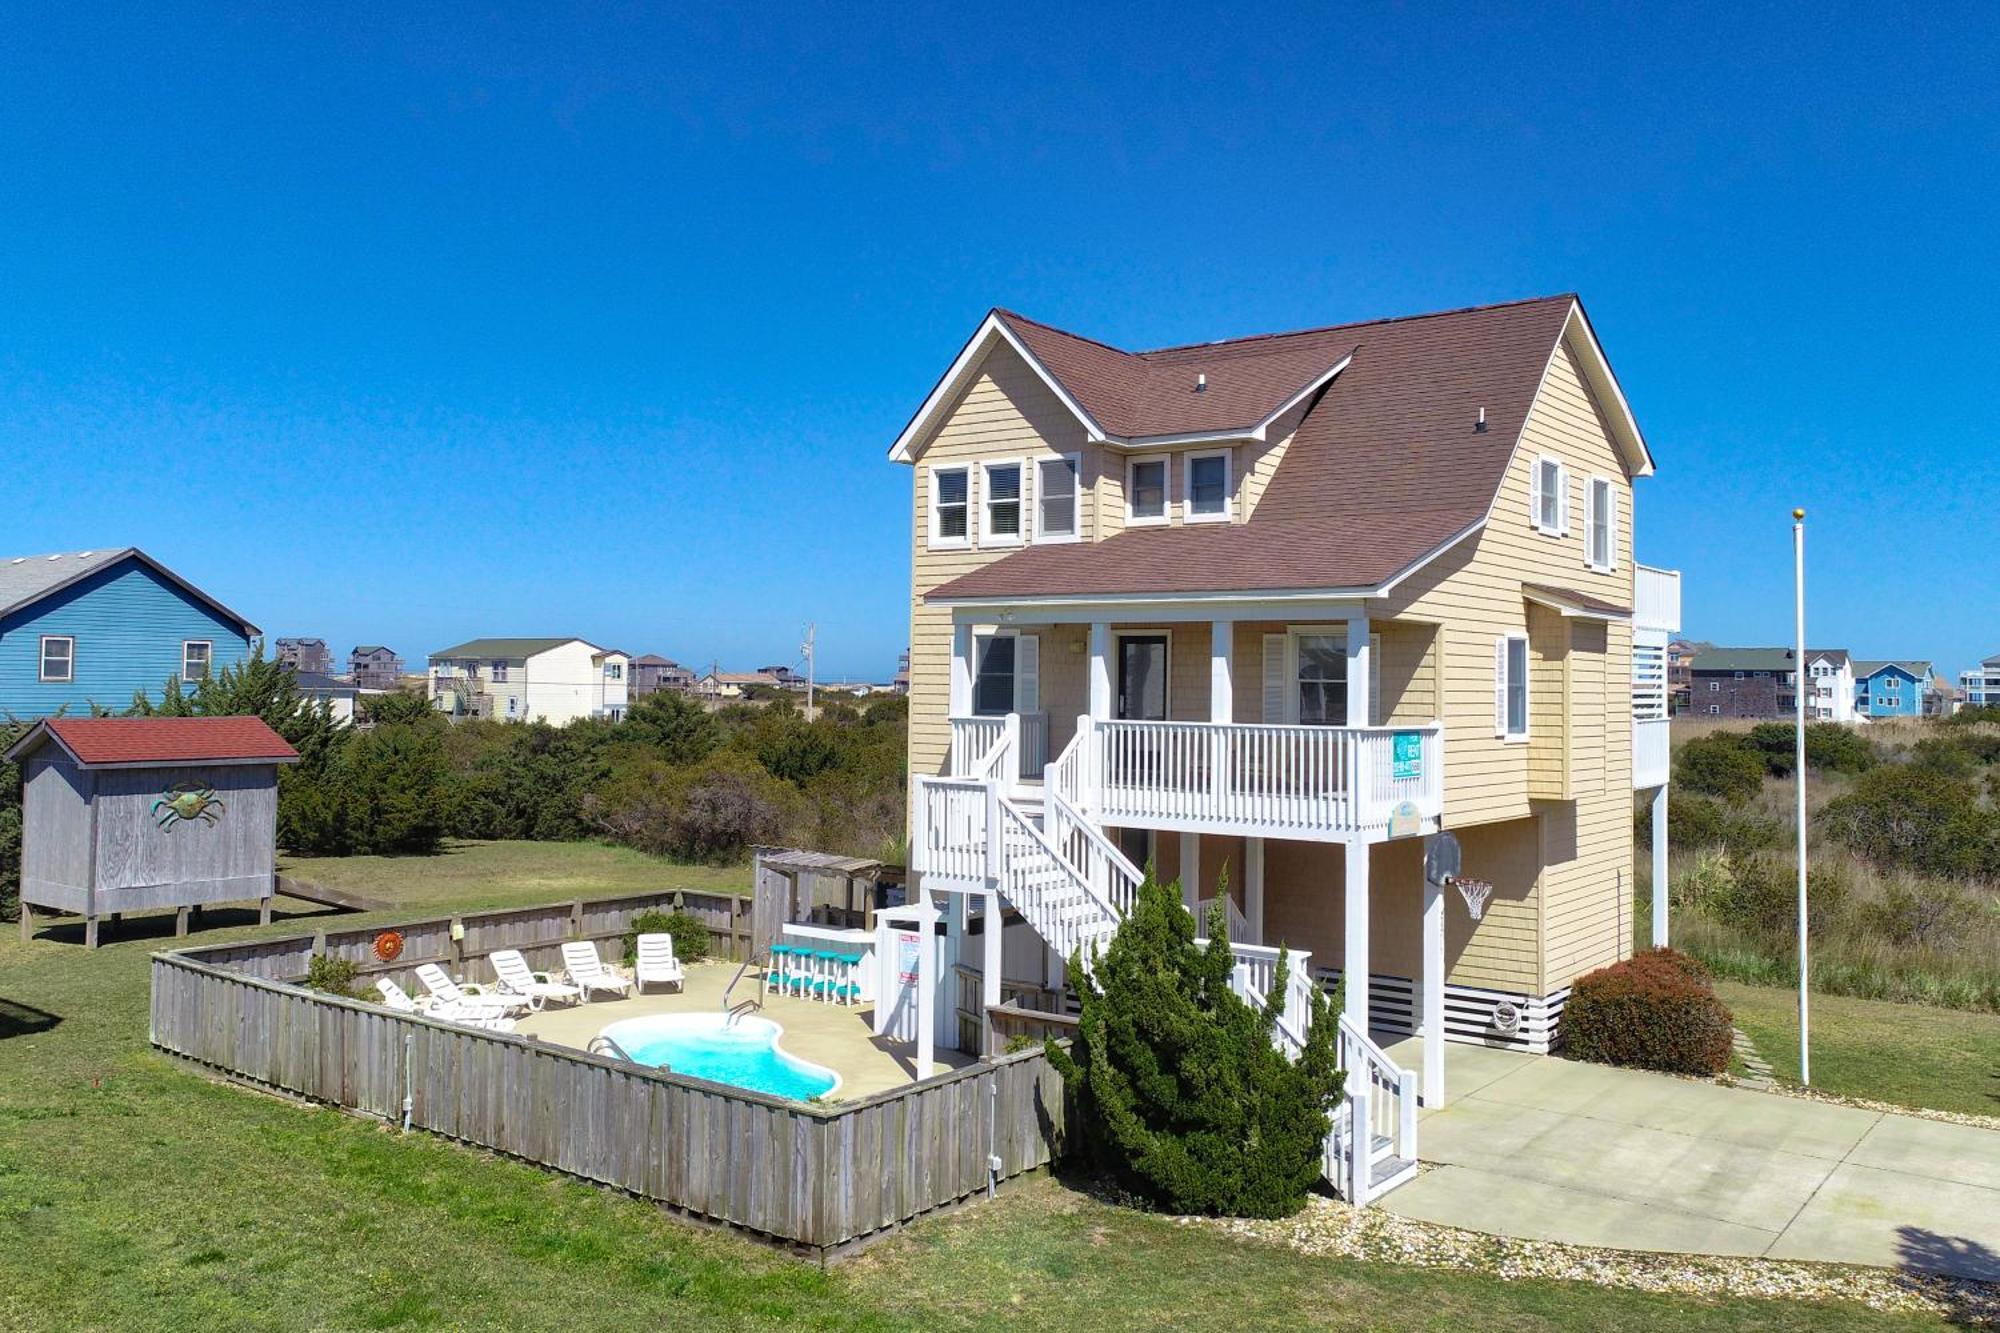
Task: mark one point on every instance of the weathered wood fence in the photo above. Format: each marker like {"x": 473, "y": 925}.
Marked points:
{"x": 819, "y": 1178}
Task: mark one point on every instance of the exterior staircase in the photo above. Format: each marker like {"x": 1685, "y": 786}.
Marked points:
{"x": 1070, "y": 883}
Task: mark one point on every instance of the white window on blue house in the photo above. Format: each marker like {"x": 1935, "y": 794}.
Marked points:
{"x": 58, "y": 659}
{"x": 195, "y": 657}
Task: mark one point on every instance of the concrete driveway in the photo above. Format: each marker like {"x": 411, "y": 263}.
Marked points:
{"x": 1552, "y": 1149}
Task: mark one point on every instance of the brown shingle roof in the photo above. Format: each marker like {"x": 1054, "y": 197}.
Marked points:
{"x": 1385, "y": 467}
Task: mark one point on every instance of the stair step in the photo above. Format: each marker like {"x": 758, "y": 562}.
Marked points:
{"x": 1387, "y": 1174}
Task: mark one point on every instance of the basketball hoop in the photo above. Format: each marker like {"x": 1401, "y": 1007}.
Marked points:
{"x": 1475, "y": 892}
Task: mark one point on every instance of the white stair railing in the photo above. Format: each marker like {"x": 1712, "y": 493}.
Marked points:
{"x": 1377, "y": 1120}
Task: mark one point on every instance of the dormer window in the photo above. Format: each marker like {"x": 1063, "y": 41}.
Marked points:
{"x": 1208, "y": 487}
{"x": 1146, "y": 491}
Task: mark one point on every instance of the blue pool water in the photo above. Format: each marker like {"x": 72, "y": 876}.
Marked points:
{"x": 744, "y": 1054}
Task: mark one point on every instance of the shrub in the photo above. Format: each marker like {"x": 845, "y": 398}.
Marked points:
{"x": 1720, "y": 765}
{"x": 1921, "y": 915}
{"x": 335, "y": 976}
{"x": 1905, "y": 816}
{"x": 1179, "y": 1090}
{"x": 1830, "y": 748}
{"x": 690, "y": 934}
{"x": 1655, "y": 1010}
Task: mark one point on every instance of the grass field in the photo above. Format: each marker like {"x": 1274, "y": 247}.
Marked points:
{"x": 469, "y": 876}
{"x": 1912, "y": 1055}
{"x": 135, "y": 1194}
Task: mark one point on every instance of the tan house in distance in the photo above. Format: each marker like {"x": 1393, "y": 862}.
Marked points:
{"x": 1272, "y": 613}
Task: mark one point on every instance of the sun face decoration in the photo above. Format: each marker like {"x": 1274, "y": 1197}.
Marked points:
{"x": 185, "y": 804}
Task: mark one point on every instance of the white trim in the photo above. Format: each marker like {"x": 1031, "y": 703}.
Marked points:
{"x": 1624, "y": 426}
{"x": 1165, "y": 516}
{"x": 948, "y": 387}
{"x": 1538, "y": 496}
{"x": 1228, "y": 514}
{"x": 938, "y": 542}
{"x": 987, "y": 536}
{"x": 1180, "y": 611}
{"x": 1075, "y": 534}
{"x": 42, "y": 660}
{"x": 209, "y": 661}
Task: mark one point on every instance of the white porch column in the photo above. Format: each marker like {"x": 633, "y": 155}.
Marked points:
{"x": 1100, "y": 669}
{"x": 961, "y": 670}
{"x": 1660, "y": 885}
{"x": 1354, "y": 966}
{"x": 1433, "y": 999}
{"x": 1253, "y": 888}
{"x": 1191, "y": 873}
{"x": 927, "y": 979}
{"x": 1221, "y": 691}
{"x": 989, "y": 977}
{"x": 1359, "y": 706}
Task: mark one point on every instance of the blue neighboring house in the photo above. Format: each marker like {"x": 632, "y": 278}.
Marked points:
{"x": 95, "y": 627}
{"x": 1892, "y": 689}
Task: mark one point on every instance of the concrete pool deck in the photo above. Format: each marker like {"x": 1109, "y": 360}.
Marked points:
{"x": 1551, "y": 1149}
{"x": 839, "y": 1037}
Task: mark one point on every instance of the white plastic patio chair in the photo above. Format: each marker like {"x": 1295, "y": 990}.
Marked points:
{"x": 517, "y": 978}
{"x": 656, "y": 962}
{"x": 395, "y": 997}
{"x": 588, "y": 971}
{"x": 471, "y": 998}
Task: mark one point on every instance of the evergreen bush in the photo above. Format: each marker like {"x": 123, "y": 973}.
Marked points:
{"x": 1179, "y": 1090}
{"x": 690, "y": 932}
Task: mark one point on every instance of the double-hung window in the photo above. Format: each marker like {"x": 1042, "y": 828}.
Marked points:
{"x": 951, "y": 500}
{"x": 614, "y": 671}
{"x": 58, "y": 659}
{"x": 195, "y": 657}
{"x": 1510, "y": 687}
{"x": 1006, "y": 673}
{"x": 499, "y": 670}
{"x": 1056, "y": 498}
{"x": 1146, "y": 491}
{"x": 1548, "y": 497}
{"x": 1208, "y": 485}
{"x": 1002, "y": 524}
{"x": 1321, "y": 680}
{"x": 1601, "y": 539}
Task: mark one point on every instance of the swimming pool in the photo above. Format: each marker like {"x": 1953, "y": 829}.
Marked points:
{"x": 743, "y": 1053}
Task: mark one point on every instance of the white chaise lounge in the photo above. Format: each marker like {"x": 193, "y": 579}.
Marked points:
{"x": 588, "y": 971}
{"x": 395, "y": 997}
{"x": 517, "y": 978}
{"x": 443, "y": 990}
{"x": 656, "y": 963}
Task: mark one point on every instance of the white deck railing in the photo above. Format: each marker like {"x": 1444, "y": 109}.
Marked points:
{"x": 1651, "y": 753}
{"x": 1260, "y": 779}
{"x": 1010, "y": 747}
{"x": 1656, "y": 599}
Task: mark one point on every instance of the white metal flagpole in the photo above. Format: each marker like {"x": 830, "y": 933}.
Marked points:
{"x": 1799, "y": 774}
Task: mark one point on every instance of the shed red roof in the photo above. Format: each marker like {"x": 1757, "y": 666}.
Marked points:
{"x": 170, "y": 740}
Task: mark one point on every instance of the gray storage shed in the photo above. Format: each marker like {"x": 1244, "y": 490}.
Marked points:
{"x": 123, "y": 814}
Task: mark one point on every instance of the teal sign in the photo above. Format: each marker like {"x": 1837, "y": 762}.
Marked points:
{"x": 1406, "y": 755}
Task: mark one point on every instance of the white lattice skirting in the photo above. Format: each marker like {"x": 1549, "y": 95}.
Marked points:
{"x": 1471, "y": 1013}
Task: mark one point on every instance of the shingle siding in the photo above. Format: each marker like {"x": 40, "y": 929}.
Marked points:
{"x": 128, "y": 623}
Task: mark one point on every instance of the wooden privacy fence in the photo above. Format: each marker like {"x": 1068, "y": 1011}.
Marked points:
{"x": 816, "y": 1177}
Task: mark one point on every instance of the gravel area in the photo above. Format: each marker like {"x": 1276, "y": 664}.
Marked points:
{"x": 1328, "y": 1227}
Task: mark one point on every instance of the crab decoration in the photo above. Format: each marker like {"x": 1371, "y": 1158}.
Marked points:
{"x": 185, "y": 804}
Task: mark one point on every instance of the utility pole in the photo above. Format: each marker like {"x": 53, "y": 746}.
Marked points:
{"x": 807, "y": 649}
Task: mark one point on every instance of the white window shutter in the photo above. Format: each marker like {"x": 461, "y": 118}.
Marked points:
{"x": 1027, "y": 674}
{"x": 1610, "y": 526}
{"x": 1535, "y": 494}
{"x": 1500, "y": 686}
{"x": 1562, "y": 499}
{"x": 1378, "y": 711}
{"x": 1275, "y": 683}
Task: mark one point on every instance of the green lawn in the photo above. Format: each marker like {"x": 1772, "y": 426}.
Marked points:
{"x": 135, "y": 1194}
{"x": 469, "y": 876}
{"x": 1909, "y": 1054}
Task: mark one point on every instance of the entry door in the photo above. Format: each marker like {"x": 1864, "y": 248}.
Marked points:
{"x": 1142, "y": 677}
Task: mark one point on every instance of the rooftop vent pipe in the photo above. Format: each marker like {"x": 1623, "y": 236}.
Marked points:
{"x": 1200, "y": 383}
{"x": 1479, "y": 426}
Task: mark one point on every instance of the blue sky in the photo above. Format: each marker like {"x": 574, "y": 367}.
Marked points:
{"x": 410, "y": 328}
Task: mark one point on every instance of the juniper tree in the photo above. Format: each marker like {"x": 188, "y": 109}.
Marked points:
{"x": 1180, "y": 1090}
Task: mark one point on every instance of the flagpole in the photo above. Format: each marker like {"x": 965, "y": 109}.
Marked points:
{"x": 1799, "y": 772}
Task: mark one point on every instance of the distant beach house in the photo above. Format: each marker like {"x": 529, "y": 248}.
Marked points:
{"x": 653, "y": 673}
{"x": 530, "y": 680}
{"x": 1981, "y": 685}
{"x": 374, "y": 667}
{"x": 1894, "y": 689}
{"x": 87, "y": 628}
{"x": 308, "y": 655}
